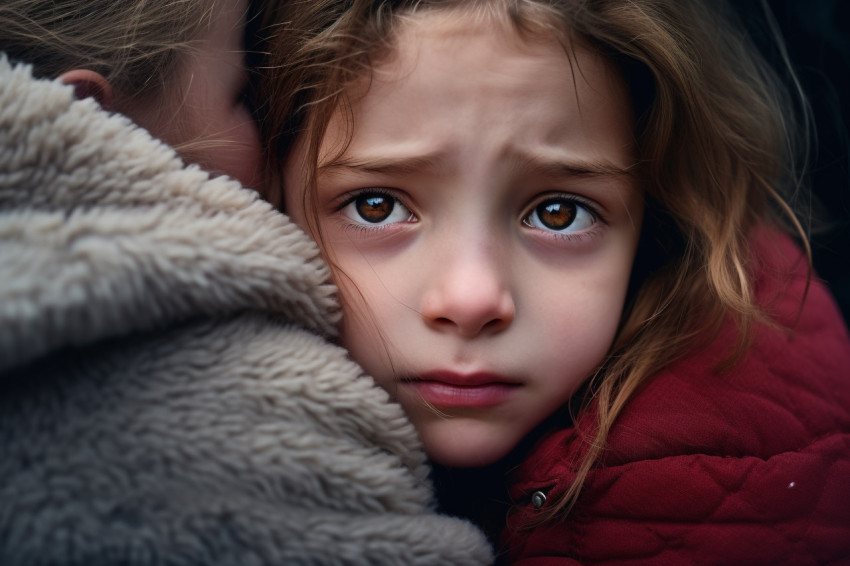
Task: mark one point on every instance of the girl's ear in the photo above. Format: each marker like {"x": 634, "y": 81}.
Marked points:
{"x": 89, "y": 84}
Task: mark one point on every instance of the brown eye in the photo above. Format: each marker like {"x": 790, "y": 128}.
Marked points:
{"x": 556, "y": 215}
{"x": 376, "y": 208}
{"x": 561, "y": 214}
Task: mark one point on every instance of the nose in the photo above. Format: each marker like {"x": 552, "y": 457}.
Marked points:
{"x": 470, "y": 295}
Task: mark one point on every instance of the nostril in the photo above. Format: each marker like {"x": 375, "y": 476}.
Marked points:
{"x": 469, "y": 328}
{"x": 494, "y": 324}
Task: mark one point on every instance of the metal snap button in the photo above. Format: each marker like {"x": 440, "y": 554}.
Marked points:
{"x": 538, "y": 498}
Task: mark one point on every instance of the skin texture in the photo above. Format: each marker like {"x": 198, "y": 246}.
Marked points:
{"x": 203, "y": 113}
{"x": 461, "y": 300}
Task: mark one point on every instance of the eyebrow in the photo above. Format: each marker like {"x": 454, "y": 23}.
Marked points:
{"x": 404, "y": 165}
{"x": 521, "y": 163}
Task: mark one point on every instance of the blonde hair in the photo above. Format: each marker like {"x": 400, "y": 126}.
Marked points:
{"x": 715, "y": 153}
{"x": 135, "y": 45}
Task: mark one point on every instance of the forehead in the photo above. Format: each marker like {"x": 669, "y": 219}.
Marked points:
{"x": 525, "y": 22}
{"x": 432, "y": 39}
{"x": 468, "y": 68}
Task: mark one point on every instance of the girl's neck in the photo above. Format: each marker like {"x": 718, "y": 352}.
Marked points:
{"x": 481, "y": 494}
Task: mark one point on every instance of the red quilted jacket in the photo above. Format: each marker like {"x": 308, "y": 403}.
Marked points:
{"x": 748, "y": 467}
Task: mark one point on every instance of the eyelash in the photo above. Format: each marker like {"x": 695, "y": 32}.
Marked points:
{"x": 365, "y": 226}
{"x": 351, "y": 197}
{"x": 572, "y": 199}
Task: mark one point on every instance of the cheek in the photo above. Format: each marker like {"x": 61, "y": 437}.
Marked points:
{"x": 578, "y": 330}
{"x": 238, "y": 155}
{"x": 363, "y": 331}
{"x": 377, "y": 327}
{"x": 580, "y": 304}
{"x": 578, "y": 316}
{"x": 365, "y": 337}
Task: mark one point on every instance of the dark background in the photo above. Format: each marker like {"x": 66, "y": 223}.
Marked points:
{"x": 817, "y": 36}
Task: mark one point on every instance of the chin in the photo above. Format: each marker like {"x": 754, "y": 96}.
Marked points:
{"x": 459, "y": 454}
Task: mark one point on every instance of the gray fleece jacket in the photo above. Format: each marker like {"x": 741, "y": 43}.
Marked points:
{"x": 168, "y": 394}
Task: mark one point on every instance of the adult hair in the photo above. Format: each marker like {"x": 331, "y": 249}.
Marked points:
{"x": 135, "y": 45}
{"x": 715, "y": 154}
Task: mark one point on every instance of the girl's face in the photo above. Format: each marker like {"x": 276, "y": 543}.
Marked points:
{"x": 483, "y": 226}
{"x": 204, "y": 108}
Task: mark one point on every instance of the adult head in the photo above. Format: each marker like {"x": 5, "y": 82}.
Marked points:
{"x": 176, "y": 67}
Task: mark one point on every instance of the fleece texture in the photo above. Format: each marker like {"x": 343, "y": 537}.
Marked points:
{"x": 168, "y": 393}
{"x": 748, "y": 466}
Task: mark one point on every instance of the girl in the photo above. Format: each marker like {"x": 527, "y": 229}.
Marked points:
{"x": 558, "y": 231}
{"x": 168, "y": 392}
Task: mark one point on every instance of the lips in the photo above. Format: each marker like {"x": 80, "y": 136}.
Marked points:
{"x": 454, "y": 390}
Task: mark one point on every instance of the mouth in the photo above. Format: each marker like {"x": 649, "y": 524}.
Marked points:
{"x": 453, "y": 390}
